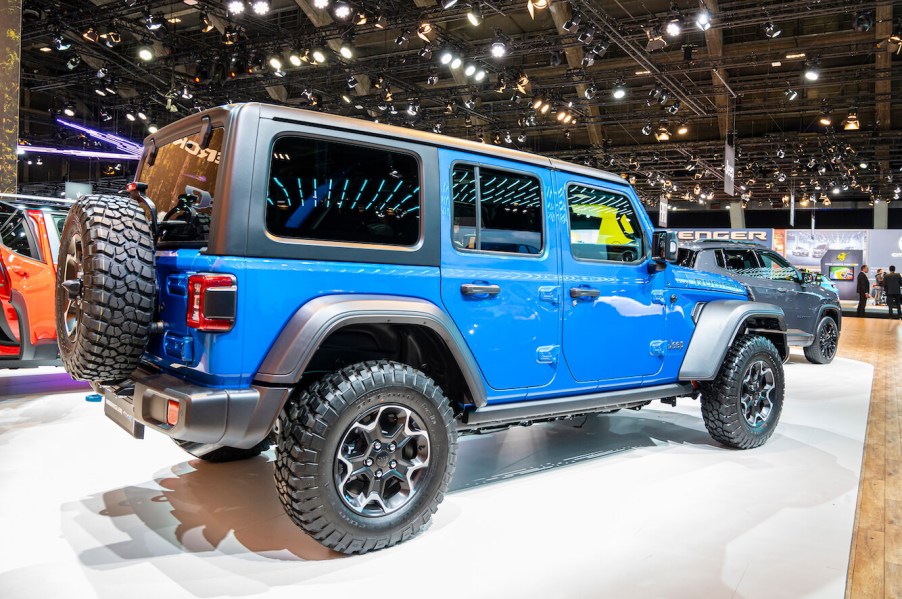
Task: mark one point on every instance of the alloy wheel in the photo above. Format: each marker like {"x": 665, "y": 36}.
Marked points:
{"x": 756, "y": 393}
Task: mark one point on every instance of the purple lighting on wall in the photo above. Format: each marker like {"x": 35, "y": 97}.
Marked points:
{"x": 114, "y": 140}
{"x": 77, "y": 153}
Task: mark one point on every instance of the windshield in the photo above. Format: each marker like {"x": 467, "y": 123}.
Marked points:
{"x": 182, "y": 168}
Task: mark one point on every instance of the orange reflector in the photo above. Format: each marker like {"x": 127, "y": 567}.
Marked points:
{"x": 172, "y": 412}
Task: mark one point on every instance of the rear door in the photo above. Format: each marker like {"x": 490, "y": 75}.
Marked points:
{"x": 500, "y": 274}
{"x": 614, "y": 315}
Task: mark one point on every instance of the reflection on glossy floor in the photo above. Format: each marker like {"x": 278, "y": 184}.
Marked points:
{"x": 636, "y": 504}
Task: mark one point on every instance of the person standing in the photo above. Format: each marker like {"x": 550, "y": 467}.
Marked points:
{"x": 863, "y": 287}
{"x": 892, "y": 282}
{"x": 878, "y": 286}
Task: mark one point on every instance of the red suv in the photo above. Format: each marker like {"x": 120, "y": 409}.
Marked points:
{"x": 29, "y": 242}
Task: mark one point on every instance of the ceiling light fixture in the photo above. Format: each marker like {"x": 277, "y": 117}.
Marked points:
{"x": 682, "y": 128}
{"x": 619, "y": 90}
{"x": 662, "y": 134}
{"x": 772, "y": 31}
{"x": 851, "y": 122}
{"x": 812, "y": 71}
{"x": 260, "y": 7}
{"x": 791, "y": 94}
{"x": 341, "y": 10}
{"x": 91, "y": 35}
{"x": 499, "y": 47}
{"x": 423, "y": 31}
{"x": 235, "y": 7}
{"x": 145, "y": 50}
{"x": 474, "y": 15}
{"x": 703, "y": 19}
{"x": 863, "y": 21}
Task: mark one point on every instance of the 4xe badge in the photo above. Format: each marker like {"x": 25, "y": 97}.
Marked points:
{"x": 675, "y": 345}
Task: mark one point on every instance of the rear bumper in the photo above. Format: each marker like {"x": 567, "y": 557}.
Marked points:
{"x": 232, "y": 417}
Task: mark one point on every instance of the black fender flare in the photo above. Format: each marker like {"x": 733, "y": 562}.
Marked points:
{"x": 832, "y": 308}
{"x": 313, "y": 322}
{"x": 718, "y": 324}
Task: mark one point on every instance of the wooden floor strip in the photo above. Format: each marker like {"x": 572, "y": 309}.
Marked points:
{"x": 875, "y": 560}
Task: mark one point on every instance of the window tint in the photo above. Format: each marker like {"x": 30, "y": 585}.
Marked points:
{"x": 686, "y": 257}
{"x": 718, "y": 256}
{"x": 13, "y": 233}
{"x": 334, "y": 191}
{"x": 510, "y": 211}
{"x": 776, "y": 267}
{"x": 603, "y": 225}
{"x": 742, "y": 262}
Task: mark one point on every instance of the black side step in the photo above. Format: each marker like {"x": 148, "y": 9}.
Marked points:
{"x": 525, "y": 411}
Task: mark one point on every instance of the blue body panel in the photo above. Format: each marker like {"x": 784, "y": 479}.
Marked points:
{"x": 531, "y": 341}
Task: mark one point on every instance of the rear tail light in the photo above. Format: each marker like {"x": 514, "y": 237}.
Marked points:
{"x": 172, "y": 412}
{"x": 212, "y": 302}
{"x": 6, "y": 287}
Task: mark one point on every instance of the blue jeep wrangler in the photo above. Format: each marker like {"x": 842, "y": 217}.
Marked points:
{"x": 360, "y": 295}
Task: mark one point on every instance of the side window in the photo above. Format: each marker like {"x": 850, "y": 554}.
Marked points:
{"x": 496, "y": 211}
{"x": 718, "y": 257}
{"x": 603, "y": 225}
{"x": 686, "y": 257}
{"x": 332, "y": 191}
{"x": 742, "y": 262}
{"x": 776, "y": 267}
{"x": 15, "y": 236}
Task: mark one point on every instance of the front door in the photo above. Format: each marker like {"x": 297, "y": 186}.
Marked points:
{"x": 781, "y": 284}
{"x": 614, "y": 315}
{"x": 500, "y": 274}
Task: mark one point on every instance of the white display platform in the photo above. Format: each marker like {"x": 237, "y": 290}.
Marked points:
{"x": 631, "y": 505}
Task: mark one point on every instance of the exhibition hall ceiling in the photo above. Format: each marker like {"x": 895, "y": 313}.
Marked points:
{"x": 651, "y": 90}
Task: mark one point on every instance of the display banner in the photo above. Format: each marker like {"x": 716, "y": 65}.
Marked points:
{"x": 663, "y": 207}
{"x": 884, "y": 249}
{"x": 761, "y": 236}
{"x": 729, "y": 169}
{"x": 807, "y": 248}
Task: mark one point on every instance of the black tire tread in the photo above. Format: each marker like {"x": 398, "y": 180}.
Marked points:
{"x": 813, "y": 352}
{"x": 720, "y": 409}
{"x": 304, "y": 424}
{"x": 119, "y": 288}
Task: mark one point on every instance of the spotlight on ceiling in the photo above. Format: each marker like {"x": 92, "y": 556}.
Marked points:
{"x": 275, "y": 61}
{"x": 413, "y": 108}
{"x": 60, "y": 43}
{"x": 432, "y": 78}
{"x": 456, "y": 62}
{"x": 480, "y": 75}
{"x": 674, "y": 108}
{"x": 130, "y": 114}
{"x": 674, "y": 26}
{"x": 69, "y": 108}
{"x": 145, "y": 51}
{"x": 556, "y": 58}
{"x": 152, "y": 128}
{"x": 207, "y": 24}
{"x": 91, "y": 35}
{"x": 321, "y": 4}
{"x": 571, "y": 25}
{"x": 791, "y": 94}
{"x": 319, "y": 55}
{"x": 771, "y": 31}
{"x": 590, "y": 92}
{"x": 73, "y": 62}
{"x": 341, "y": 10}
{"x": 682, "y": 128}
{"x": 346, "y": 50}
{"x": 619, "y": 90}
{"x": 446, "y": 4}
{"x": 235, "y": 7}
{"x": 469, "y": 70}
{"x": 426, "y": 52}
{"x": 153, "y": 22}
{"x": 812, "y": 71}
{"x": 863, "y": 21}
{"x": 851, "y": 122}
{"x": 825, "y": 119}
{"x": 703, "y": 19}
{"x": 646, "y": 129}
{"x": 474, "y": 15}
{"x": 423, "y": 31}
{"x": 438, "y": 127}
{"x": 587, "y": 36}
{"x": 499, "y": 47}
{"x": 260, "y": 7}
{"x": 403, "y": 40}
{"x": 662, "y": 134}
{"x": 656, "y": 39}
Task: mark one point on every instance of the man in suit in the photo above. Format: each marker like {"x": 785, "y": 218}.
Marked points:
{"x": 863, "y": 287}
{"x": 892, "y": 282}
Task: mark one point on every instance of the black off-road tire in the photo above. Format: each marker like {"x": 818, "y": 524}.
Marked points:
{"x": 108, "y": 325}
{"x": 311, "y": 431}
{"x": 225, "y": 453}
{"x": 722, "y": 408}
{"x": 826, "y": 340}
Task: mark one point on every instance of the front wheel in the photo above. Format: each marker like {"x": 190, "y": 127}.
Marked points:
{"x": 826, "y": 340}
{"x": 742, "y": 406}
{"x": 365, "y": 455}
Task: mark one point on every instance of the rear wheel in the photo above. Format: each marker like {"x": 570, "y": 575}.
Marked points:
{"x": 742, "y": 406}
{"x": 105, "y": 287}
{"x": 365, "y": 455}
{"x": 826, "y": 340}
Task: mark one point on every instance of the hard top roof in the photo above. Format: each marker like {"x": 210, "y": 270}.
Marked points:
{"x": 26, "y": 201}
{"x": 271, "y": 111}
{"x": 707, "y": 244}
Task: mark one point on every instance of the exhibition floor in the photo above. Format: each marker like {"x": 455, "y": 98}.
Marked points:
{"x": 635, "y": 504}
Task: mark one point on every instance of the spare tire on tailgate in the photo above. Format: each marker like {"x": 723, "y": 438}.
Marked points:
{"x": 105, "y": 288}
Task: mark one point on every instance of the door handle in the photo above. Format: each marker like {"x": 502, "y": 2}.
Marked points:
{"x": 476, "y": 289}
{"x": 576, "y": 292}
{"x": 781, "y": 290}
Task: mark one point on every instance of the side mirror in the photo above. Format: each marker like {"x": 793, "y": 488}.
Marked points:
{"x": 664, "y": 247}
